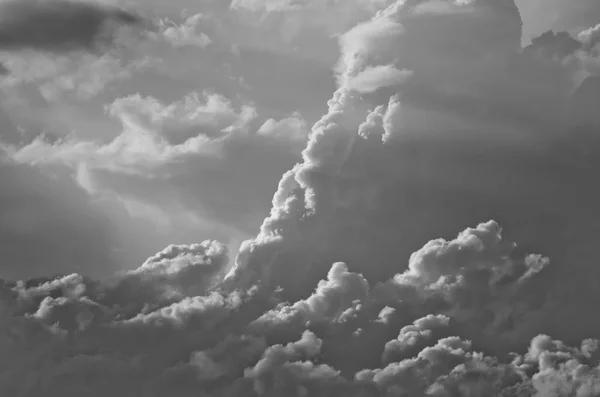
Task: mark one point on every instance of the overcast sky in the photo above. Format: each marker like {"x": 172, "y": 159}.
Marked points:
{"x": 299, "y": 198}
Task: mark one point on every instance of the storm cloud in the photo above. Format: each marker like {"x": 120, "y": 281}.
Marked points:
{"x": 60, "y": 25}
{"x": 383, "y": 268}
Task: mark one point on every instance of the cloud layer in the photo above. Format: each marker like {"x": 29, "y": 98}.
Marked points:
{"x": 70, "y": 335}
{"x": 440, "y": 121}
{"x": 59, "y": 26}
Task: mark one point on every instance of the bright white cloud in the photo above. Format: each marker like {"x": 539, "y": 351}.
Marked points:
{"x": 208, "y": 114}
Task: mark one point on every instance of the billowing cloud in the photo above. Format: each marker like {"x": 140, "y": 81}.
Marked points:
{"x": 185, "y": 34}
{"x": 292, "y": 128}
{"x": 179, "y": 269}
{"x": 342, "y": 292}
{"x": 219, "y": 343}
{"x": 379, "y": 170}
{"x": 172, "y": 164}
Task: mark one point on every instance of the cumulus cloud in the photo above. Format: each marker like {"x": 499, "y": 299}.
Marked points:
{"x": 379, "y": 169}
{"x": 273, "y": 5}
{"x": 210, "y": 111}
{"x": 541, "y": 15}
{"x": 87, "y": 78}
{"x": 293, "y": 128}
{"x": 457, "y": 97}
{"x": 154, "y": 133}
{"x": 590, "y": 36}
{"x": 66, "y": 67}
{"x": 342, "y": 292}
{"x": 210, "y": 341}
{"x": 411, "y": 336}
{"x": 179, "y": 270}
{"x": 311, "y": 27}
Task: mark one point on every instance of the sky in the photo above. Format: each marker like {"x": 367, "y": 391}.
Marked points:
{"x": 271, "y": 198}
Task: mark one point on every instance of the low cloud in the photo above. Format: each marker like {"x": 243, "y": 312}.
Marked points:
{"x": 102, "y": 336}
{"x": 342, "y": 292}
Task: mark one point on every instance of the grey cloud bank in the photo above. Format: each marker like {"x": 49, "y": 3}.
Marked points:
{"x": 368, "y": 307}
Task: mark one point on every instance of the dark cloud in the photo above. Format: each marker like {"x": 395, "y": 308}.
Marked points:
{"x": 551, "y": 44}
{"x": 60, "y": 25}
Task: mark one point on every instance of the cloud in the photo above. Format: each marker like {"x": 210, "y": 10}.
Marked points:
{"x": 210, "y": 343}
{"x": 342, "y": 292}
{"x": 540, "y": 16}
{"x": 293, "y": 128}
{"x": 374, "y": 78}
{"x": 379, "y": 169}
{"x": 154, "y": 134}
{"x": 411, "y": 337}
{"x": 157, "y": 169}
{"x": 591, "y": 36}
{"x": 179, "y": 270}
{"x": 60, "y": 26}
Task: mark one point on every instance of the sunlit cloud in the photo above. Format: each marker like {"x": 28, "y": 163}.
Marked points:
{"x": 357, "y": 198}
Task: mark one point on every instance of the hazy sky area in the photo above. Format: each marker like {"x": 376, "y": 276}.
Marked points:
{"x": 299, "y": 198}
